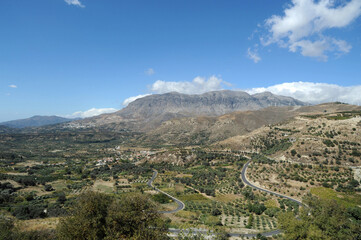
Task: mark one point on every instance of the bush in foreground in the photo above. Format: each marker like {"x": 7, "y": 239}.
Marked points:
{"x": 98, "y": 216}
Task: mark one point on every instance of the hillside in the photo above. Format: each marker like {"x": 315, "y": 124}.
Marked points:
{"x": 36, "y": 121}
{"x": 4, "y": 129}
{"x": 325, "y": 133}
{"x": 205, "y": 130}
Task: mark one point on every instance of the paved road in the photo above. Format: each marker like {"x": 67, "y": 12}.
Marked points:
{"x": 245, "y": 180}
{"x": 181, "y": 205}
{"x": 206, "y": 232}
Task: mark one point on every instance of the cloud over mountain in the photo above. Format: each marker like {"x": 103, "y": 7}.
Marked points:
{"x": 131, "y": 99}
{"x": 315, "y": 92}
{"x": 197, "y": 86}
{"x": 91, "y": 112}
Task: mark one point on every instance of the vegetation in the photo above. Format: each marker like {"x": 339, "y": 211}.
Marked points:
{"x": 98, "y": 216}
{"x": 95, "y": 181}
{"x": 322, "y": 220}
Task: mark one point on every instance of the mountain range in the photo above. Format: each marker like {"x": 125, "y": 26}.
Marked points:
{"x": 146, "y": 113}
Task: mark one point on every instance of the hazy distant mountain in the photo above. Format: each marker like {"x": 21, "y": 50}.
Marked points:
{"x": 5, "y": 129}
{"x": 36, "y": 121}
{"x": 150, "y": 111}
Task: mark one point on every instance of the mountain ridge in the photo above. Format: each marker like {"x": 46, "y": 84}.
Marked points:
{"x": 36, "y": 121}
{"x": 149, "y": 112}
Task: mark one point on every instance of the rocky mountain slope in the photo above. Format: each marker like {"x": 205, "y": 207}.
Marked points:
{"x": 205, "y": 130}
{"x": 238, "y": 128}
{"x": 208, "y": 104}
{"x": 149, "y": 112}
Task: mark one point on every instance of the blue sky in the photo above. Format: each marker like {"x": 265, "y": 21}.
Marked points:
{"x": 59, "y": 57}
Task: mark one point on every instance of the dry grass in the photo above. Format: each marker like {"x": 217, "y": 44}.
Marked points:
{"x": 15, "y": 184}
{"x": 346, "y": 200}
{"x": 104, "y": 186}
{"x": 271, "y": 203}
{"x": 38, "y": 224}
{"x": 38, "y": 189}
{"x": 193, "y": 197}
{"x": 187, "y": 214}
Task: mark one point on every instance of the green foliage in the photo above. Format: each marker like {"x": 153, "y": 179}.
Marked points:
{"x": 210, "y": 220}
{"x": 134, "y": 217}
{"x": 161, "y": 198}
{"x": 250, "y": 221}
{"x": 8, "y": 231}
{"x": 272, "y": 211}
{"x": 261, "y": 237}
{"x": 216, "y": 212}
{"x": 257, "y": 208}
{"x": 30, "y": 211}
{"x": 293, "y": 152}
{"x": 248, "y": 193}
{"x": 7, "y": 228}
{"x": 328, "y": 143}
{"x": 98, "y": 216}
{"x": 321, "y": 220}
{"x": 281, "y": 146}
{"x": 61, "y": 198}
{"x": 88, "y": 218}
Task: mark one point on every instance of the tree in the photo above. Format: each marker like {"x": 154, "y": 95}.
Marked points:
{"x": 293, "y": 152}
{"x": 135, "y": 217}
{"x": 324, "y": 219}
{"x": 87, "y": 219}
{"x": 7, "y": 228}
{"x": 99, "y": 216}
{"x": 48, "y": 187}
{"x": 216, "y": 212}
{"x": 261, "y": 237}
{"x": 62, "y": 198}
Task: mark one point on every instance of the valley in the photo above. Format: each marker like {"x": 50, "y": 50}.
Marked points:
{"x": 291, "y": 151}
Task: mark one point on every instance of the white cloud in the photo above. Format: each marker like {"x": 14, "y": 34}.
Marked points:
{"x": 197, "y": 86}
{"x": 304, "y": 22}
{"x": 91, "y": 112}
{"x": 13, "y": 86}
{"x": 74, "y": 2}
{"x": 315, "y": 92}
{"x": 253, "y": 55}
{"x": 149, "y": 71}
{"x": 131, "y": 99}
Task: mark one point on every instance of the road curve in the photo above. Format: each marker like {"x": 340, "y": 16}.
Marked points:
{"x": 202, "y": 231}
{"x": 181, "y": 205}
{"x": 245, "y": 180}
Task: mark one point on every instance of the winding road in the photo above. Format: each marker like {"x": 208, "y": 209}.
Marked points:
{"x": 245, "y": 180}
{"x": 181, "y": 205}
{"x": 202, "y": 231}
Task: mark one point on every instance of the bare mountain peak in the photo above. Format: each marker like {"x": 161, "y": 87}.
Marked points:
{"x": 150, "y": 111}
{"x": 263, "y": 94}
{"x": 208, "y": 104}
